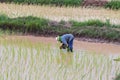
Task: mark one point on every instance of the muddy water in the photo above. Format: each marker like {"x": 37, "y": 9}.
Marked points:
{"x": 105, "y": 48}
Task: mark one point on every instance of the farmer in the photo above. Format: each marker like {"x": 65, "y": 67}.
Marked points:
{"x": 67, "y": 41}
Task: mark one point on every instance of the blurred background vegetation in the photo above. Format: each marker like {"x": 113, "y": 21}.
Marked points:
{"x": 111, "y": 4}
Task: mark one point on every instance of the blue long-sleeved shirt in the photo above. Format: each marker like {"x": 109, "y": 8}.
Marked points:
{"x": 66, "y": 38}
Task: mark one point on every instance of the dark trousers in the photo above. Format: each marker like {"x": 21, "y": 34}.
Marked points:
{"x": 70, "y": 45}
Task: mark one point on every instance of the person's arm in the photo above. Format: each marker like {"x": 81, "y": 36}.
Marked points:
{"x": 64, "y": 42}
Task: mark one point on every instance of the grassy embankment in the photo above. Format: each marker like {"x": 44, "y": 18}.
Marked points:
{"x": 89, "y": 26}
{"x": 39, "y": 26}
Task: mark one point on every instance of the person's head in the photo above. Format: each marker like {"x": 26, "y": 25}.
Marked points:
{"x": 58, "y": 38}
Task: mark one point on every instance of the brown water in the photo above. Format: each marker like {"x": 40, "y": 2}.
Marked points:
{"x": 105, "y": 48}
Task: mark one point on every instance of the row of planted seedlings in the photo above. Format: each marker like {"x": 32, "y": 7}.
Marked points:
{"x": 22, "y": 59}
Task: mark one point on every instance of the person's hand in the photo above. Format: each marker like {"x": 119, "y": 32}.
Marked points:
{"x": 63, "y": 46}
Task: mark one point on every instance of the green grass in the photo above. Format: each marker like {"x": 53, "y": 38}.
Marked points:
{"x": 111, "y": 4}
{"x": 48, "y": 2}
{"x": 21, "y": 60}
{"x": 40, "y": 26}
{"x": 114, "y": 4}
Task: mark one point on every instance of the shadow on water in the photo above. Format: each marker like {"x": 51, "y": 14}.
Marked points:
{"x": 65, "y": 58}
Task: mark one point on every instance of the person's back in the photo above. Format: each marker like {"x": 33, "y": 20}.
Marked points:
{"x": 66, "y": 38}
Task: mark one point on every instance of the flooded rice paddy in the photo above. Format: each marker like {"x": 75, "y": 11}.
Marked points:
{"x": 37, "y": 59}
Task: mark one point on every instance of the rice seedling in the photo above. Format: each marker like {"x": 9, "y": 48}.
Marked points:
{"x": 23, "y": 60}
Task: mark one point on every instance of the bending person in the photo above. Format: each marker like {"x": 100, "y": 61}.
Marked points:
{"x": 67, "y": 41}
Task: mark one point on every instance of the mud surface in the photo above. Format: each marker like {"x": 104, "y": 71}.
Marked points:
{"x": 105, "y": 48}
